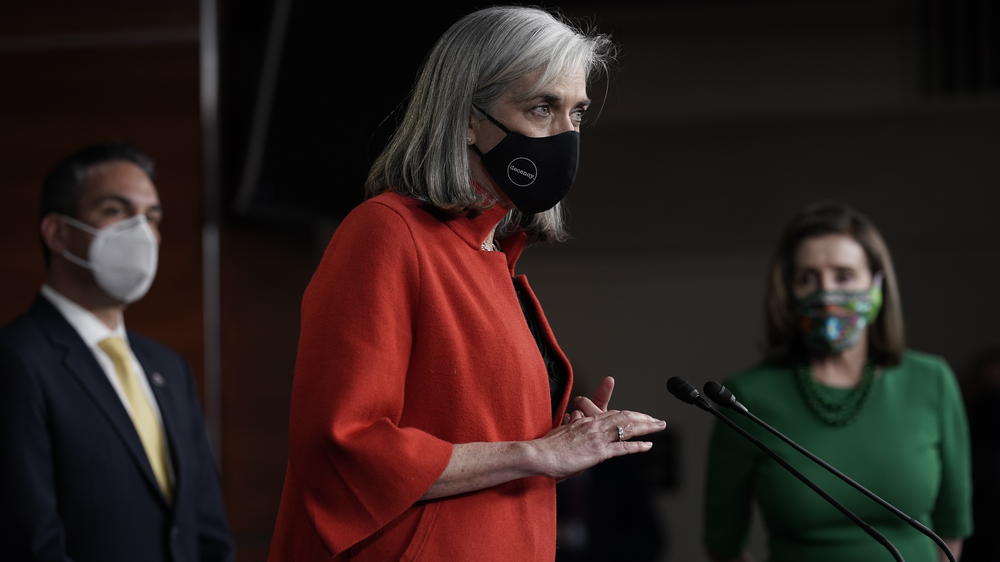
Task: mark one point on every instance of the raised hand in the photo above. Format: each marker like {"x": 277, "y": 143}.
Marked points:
{"x": 592, "y": 407}
{"x": 590, "y": 439}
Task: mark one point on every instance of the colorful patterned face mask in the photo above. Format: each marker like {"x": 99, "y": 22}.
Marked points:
{"x": 833, "y": 321}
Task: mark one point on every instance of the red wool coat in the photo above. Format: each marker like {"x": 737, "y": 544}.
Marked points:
{"x": 412, "y": 339}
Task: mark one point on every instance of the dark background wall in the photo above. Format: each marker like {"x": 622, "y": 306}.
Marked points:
{"x": 75, "y": 74}
{"x": 722, "y": 118}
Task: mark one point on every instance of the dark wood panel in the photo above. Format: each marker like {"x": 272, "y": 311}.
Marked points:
{"x": 59, "y": 101}
{"x": 26, "y": 18}
{"x": 264, "y": 274}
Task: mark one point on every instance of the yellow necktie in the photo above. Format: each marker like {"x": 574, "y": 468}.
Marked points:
{"x": 147, "y": 425}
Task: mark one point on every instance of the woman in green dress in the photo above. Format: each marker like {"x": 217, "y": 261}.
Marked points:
{"x": 838, "y": 379}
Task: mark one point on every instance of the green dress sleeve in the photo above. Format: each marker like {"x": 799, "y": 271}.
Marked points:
{"x": 952, "y": 514}
{"x": 732, "y": 461}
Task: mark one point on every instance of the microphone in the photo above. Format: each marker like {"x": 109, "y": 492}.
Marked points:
{"x": 724, "y": 397}
{"x": 683, "y": 391}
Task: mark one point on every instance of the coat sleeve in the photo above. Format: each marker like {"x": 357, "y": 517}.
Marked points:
{"x": 732, "y": 462}
{"x": 358, "y": 467}
{"x": 952, "y": 515}
{"x": 215, "y": 541}
{"x": 30, "y": 526}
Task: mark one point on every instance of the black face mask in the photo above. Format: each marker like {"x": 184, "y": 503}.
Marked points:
{"x": 534, "y": 172}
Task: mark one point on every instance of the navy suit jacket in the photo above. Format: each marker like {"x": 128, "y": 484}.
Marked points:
{"x": 76, "y": 484}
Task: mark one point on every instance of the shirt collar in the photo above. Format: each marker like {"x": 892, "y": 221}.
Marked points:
{"x": 90, "y": 328}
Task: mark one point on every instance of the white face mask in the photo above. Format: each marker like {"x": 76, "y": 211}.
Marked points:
{"x": 123, "y": 257}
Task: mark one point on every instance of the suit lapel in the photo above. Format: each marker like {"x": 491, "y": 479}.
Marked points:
{"x": 80, "y": 361}
{"x": 167, "y": 402}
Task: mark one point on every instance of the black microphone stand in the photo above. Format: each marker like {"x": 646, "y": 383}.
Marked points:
{"x": 724, "y": 397}
{"x": 684, "y": 392}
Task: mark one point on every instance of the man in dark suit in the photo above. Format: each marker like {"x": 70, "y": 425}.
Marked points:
{"x": 103, "y": 451}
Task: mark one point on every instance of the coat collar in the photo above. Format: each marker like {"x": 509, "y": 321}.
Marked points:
{"x": 473, "y": 228}
{"x": 88, "y": 326}
{"x": 80, "y": 361}
{"x": 168, "y": 401}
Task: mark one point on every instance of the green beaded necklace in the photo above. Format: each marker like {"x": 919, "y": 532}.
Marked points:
{"x": 834, "y": 408}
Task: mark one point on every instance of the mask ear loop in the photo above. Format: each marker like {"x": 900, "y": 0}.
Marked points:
{"x": 85, "y": 228}
{"x": 877, "y": 281}
{"x": 80, "y": 225}
{"x": 490, "y": 117}
{"x": 492, "y": 120}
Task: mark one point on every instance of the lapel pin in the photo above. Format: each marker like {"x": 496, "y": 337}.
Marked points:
{"x": 158, "y": 379}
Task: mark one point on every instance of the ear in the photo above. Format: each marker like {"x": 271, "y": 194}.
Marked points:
{"x": 470, "y": 132}
{"x": 53, "y": 234}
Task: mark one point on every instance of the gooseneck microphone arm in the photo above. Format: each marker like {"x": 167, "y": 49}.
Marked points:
{"x": 683, "y": 391}
{"x": 724, "y": 397}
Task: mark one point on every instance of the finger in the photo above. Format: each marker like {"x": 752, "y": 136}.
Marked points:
{"x": 566, "y": 418}
{"x": 586, "y": 406}
{"x": 619, "y": 433}
{"x": 629, "y": 416}
{"x": 630, "y": 447}
{"x": 634, "y": 424}
{"x": 602, "y": 396}
{"x": 576, "y": 415}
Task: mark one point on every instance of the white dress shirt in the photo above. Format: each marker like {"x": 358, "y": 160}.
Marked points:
{"x": 92, "y": 331}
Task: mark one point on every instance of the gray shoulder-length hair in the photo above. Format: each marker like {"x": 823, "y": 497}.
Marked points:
{"x": 474, "y": 62}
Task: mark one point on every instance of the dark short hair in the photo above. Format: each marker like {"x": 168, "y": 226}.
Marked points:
{"x": 784, "y": 342}
{"x": 63, "y": 186}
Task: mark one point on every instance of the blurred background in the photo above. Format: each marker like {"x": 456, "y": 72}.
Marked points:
{"x": 719, "y": 121}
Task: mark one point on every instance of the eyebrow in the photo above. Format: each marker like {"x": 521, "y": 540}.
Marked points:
{"x": 554, "y": 99}
{"x": 128, "y": 204}
{"x": 852, "y": 267}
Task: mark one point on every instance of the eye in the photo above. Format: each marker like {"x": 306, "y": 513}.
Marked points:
{"x": 154, "y": 217}
{"x": 542, "y": 110}
{"x": 803, "y": 278}
{"x": 111, "y": 210}
{"x": 577, "y": 115}
{"x": 845, "y": 275}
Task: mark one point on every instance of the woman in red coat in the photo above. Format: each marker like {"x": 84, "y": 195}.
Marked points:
{"x": 428, "y": 415}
